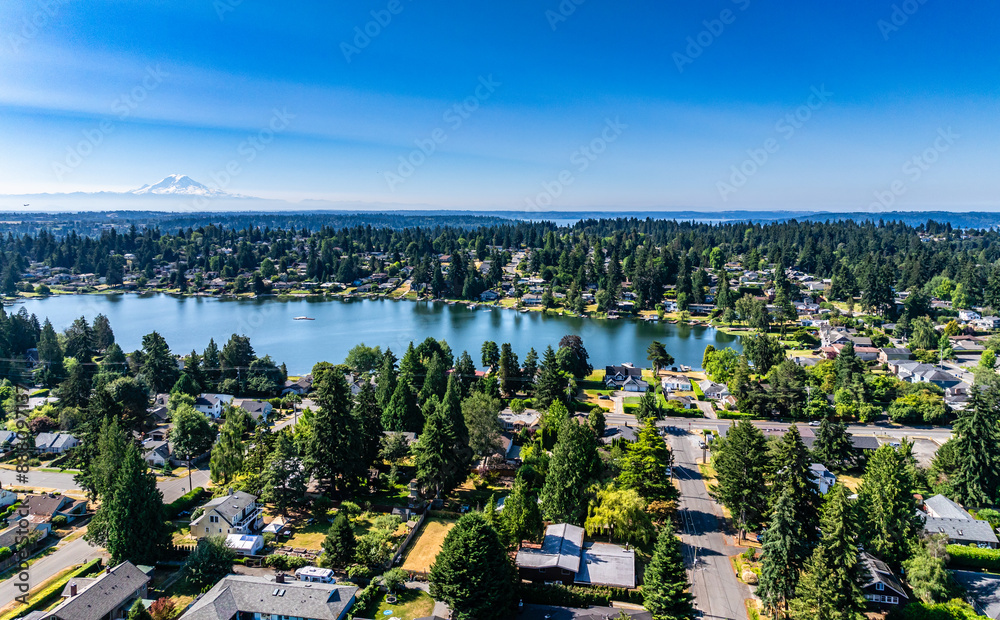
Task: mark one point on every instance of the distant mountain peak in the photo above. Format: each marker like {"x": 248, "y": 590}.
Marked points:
{"x": 179, "y": 184}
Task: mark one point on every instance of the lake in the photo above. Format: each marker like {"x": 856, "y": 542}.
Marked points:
{"x": 188, "y": 323}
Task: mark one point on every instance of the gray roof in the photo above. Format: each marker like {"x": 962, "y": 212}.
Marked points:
{"x": 942, "y": 507}
{"x": 99, "y": 597}
{"x": 261, "y": 595}
{"x": 561, "y": 548}
{"x": 606, "y": 564}
{"x": 879, "y": 572}
{"x": 964, "y": 530}
{"x": 231, "y": 505}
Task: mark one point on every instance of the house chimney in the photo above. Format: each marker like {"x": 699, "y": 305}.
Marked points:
{"x": 72, "y": 589}
{"x": 279, "y": 578}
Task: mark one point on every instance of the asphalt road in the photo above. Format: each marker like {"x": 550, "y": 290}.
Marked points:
{"x": 172, "y": 488}
{"x": 70, "y": 554}
{"x": 717, "y": 592}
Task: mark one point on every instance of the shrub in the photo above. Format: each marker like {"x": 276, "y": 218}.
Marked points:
{"x": 163, "y": 608}
{"x": 973, "y": 557}
{"x": 59, "y": 520}
{"x": 350, "y": 509}
{"x": 184, "y": 502}
{"x": 285, "y": 562}
{"x": 364, "y": 599}
{"x": 576, "y": 596}
{"x": 5, "y": 553}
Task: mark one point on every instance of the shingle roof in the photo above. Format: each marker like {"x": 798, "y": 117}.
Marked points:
{"x": 959, "y": 529}
{"x": 879, "y": 572}
{"x": 101, "y": 595}
{"x": 942, "y": 507}
{"x": 231, "y": 505}
{"x": 260, "y": 595}
{"x": 607, "y": 565}
{"x": 561, "y": 548}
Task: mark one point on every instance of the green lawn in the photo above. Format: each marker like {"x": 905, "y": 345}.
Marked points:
{"x": 410, "y": 604}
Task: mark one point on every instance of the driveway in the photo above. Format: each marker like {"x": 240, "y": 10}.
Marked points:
{"x": 176, "y": 487}
{"x": 70, "y": 554}
{"x": 717, "y": 591}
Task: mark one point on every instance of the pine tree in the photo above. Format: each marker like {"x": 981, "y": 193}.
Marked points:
{"x": 665, "y": 590}
{"x": 889, "y": 522}
{"x": 472, "y": 572}
{"x": 977, "y": 435}
{"x": 794, "y": 474}
{"x": 159, "y": 368}
{"x": 780, "y": 563}
{"x": 520, "y": 518}
{"x": 833, "y": 445}
{"x": 573, "y": 464}
{"x": 740, "y": 466}
{"x": 436, "y": 379}
{"x": 402, "y": 414}
{"x": 386, "y": 380}
{"x": 339, "y": 544}
{"x": 283, "y": 479}
{"x": 101, "y": 466}
{"x": 529, "y": 371}
{"x": 551, "y": 383}
{"x": 368, "y": 416}
{"x": 644, "y": 467}
{"x": 139, "y": 612}
{"x": 466, "y": 371}
{"x": 130, "y": 522}
{"x": 813, "y": 598}
{"x": 442, "y": 452}
{"x": 331, "y": 454}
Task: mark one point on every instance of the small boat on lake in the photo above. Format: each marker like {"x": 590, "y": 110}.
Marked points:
{"x": 304, "y": 318}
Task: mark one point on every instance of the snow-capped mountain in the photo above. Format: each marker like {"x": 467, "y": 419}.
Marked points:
{"x": 179, "y": 184}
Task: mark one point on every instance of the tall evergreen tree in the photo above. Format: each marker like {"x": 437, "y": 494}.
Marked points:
{"x": 283, "y": 479}
{"x": 740, "y": 467}
{"x": 227, "y": 454}
{"x": 833, "y": 446}
{"x": 386, "y": 379}
{"x": 552, "y": 381}
{"x": 130, "y": 522}
{"x": 436, "y": 378}
{"x": 665, "y": 588}
{"x": 976, "y": 482}
{"x": 520, "y": 518}
{"x": 644, "y": 466}
{"x": 888, "y": 513}
{"x": 331, "y": 454}
{"x": 159, "y": 368}
{"x": 780, "y": 562}
{"x": 574, "y": 462}
{"x": 339, "y": 544}
{"x": 472, "y": 572}
{"x": 794, "y": 474}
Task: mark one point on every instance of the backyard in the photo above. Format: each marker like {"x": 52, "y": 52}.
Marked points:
{"x": 410, "y": 604}
{"x": 425, "y": 547}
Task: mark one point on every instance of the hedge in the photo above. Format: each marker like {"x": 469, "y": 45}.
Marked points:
{"x": 364, "y": 599}
{"x": 735, "y": 415}
{"x": 184, "y": 502}
{"x": 576, "y": 596}
{"x": 973, "y": 557}
{"x": 48, "y": 596}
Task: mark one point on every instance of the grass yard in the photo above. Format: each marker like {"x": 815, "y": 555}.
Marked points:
{"x": 427, "y": 544}
{"x": 309, "y": 536}
{"x": 410, "y": 604}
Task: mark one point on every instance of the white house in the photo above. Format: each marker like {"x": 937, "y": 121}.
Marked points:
{"x": 211, "y": 404}
{"x": 245, "y": 544}
{"x": 713, "y": 390}
{"x": 968, "y": 315}
{"x": 823, "y": 477}
{"x": 55, "y": 443}
{"x": 674, "y": 383}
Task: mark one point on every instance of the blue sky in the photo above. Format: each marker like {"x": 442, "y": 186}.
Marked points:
{"x": 583, "y": 104}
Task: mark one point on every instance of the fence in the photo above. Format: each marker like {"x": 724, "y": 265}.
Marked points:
{"x": 409, "y": 537}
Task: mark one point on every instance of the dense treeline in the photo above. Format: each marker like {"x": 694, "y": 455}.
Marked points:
{"x": 592, "y": 253}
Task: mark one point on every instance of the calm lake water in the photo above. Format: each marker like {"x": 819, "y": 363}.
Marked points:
{"x": 188, "y": 323}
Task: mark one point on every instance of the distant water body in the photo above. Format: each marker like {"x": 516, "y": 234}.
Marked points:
{"x": 188, "y": 323}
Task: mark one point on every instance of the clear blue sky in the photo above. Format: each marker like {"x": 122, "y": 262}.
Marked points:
{"x": 180, "y": 86}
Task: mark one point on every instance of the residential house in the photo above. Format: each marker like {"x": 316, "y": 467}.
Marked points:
{"x": 613, "y": 434}
{"x": 489, "y": 296}
{"x": 531, "y": 299}
{"x": 882, "y": 588}
{"x": 968, "y": 315}
{"x": 888, "y": 355}
{"x": 106, "y": 597}
{"x": 239, "y": 597}
{"x": 245, "y": 544}
{"x": 300, "y": 386}
{"x": 675, "y": 383}
{"x": 625, "y": 377}
{"x": 44, "y": 507}
{"x": 157, "y": 453}
{"x": 563, "y": 557}
{"x": 941, "y": 515}
{"x": 7, "y": 498}
{"x": 823, "y": 477}
{"x": 55, "y": 443}
{"x": 685, "y": 402}
{"x": 514, "y": 422}
{"x": 987, "y": 323}
{"x": 211, "y": 404}
{"x": 236, "y": 513}
{"x": 259, "y": 410}
{"x": 713, "y": 390}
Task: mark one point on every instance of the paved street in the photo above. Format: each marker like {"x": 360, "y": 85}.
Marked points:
{"x": 172, "y": 488}
{"x": 70, "y": 554}
{"x": 717, "y": 591}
